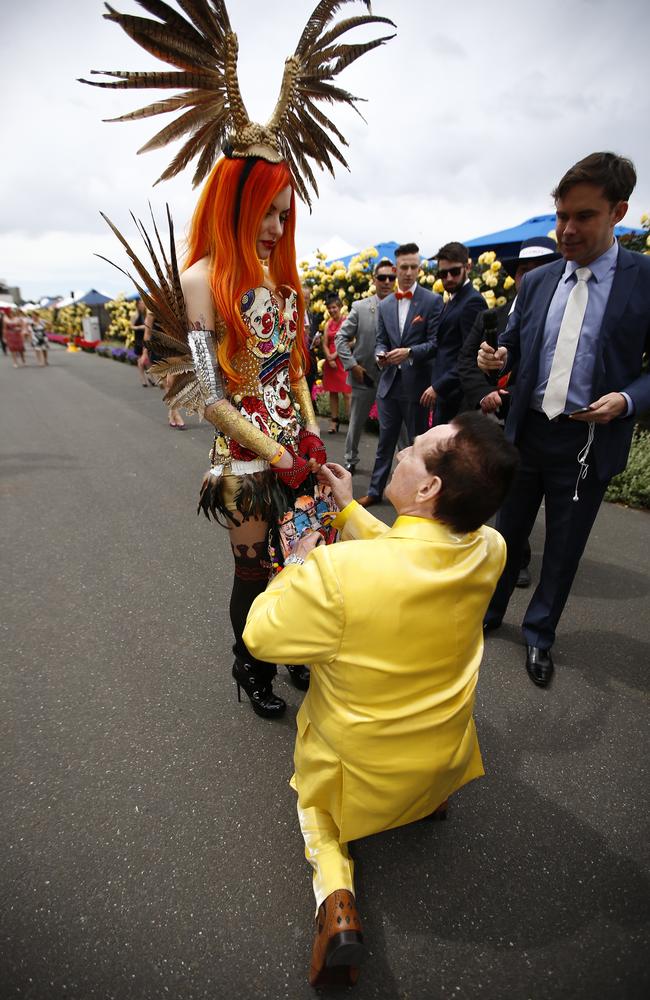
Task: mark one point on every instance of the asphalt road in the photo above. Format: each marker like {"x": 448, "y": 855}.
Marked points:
{"x": 149, "y": 843}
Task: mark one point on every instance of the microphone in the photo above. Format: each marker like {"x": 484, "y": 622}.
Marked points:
{"x": 491, "y": 337}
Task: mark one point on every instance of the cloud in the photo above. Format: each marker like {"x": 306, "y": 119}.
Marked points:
{"x": 472, "y": 116}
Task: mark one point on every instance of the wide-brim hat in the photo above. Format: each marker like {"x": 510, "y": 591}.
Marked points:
{"x": 535, "y": 250}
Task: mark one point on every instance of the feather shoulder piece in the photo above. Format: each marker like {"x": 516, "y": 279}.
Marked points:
{"x": 159, "y": 287}
{"x": 201, "y": 49}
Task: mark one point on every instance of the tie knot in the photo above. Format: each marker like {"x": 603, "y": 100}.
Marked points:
{"x": 403, "y": 295}
{"x": 582, "y": 274}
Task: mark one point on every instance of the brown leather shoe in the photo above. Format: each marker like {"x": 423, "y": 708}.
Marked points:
{"x": 369, "y": 500}
{"x": 338, "y": 947}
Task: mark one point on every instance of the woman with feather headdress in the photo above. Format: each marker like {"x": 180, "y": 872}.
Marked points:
{"x": 238, "y": 308}
{"x": 238, "y": 305}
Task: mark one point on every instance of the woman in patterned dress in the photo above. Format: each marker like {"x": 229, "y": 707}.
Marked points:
{"x": 245, "y": 308}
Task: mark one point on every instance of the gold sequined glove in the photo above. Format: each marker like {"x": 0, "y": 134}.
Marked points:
{"x": 218, "y": 410}
{"x": 302, "y": 396}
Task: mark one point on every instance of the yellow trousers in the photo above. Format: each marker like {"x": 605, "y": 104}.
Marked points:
{"x": 330, "y": 859}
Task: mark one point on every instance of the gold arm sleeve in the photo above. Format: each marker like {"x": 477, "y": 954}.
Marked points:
{"x": 302, "y": 396}
{"x": 228, "y": 420}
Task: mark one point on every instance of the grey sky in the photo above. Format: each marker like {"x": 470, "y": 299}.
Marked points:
{"x": 474, "y": 111}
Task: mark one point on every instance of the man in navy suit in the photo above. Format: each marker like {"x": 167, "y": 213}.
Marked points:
{"x": 407, "y": 326}
{"x": 458, "y": 315}
{"x": 581, "y": 324}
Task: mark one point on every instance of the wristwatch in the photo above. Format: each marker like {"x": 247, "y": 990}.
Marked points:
{"x": 293, "y": 558}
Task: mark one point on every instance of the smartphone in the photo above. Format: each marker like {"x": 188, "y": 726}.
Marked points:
{"x": 583, "y": 409}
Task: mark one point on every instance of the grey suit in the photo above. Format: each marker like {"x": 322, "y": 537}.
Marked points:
{"x": 400, "y": 386}
{"x": 355, "y": 345}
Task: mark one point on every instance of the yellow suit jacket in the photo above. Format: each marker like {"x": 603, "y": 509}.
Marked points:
{"x": 391, "y": 625}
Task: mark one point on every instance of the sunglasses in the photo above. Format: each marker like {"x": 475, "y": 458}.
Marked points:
{"x": 384, "y": 277}
{"x": 453, "y": 271}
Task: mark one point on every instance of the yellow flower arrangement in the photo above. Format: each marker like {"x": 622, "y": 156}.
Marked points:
{"x": 355, "y": 281}
{"x": 121, "y": 313}
{"x": 68, "y": 320}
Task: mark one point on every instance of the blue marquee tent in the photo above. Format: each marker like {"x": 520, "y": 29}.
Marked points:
{"x": 507, "y": 241}
{"x": 383, "y": 249}
{"x": 94, "y": 298}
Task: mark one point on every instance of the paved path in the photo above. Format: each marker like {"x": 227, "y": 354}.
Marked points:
{"x": 149, "y": 841}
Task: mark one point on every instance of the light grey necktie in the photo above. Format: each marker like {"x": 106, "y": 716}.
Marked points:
{"x": 559, "y": 377}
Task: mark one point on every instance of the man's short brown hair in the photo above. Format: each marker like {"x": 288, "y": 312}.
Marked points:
{"x": 457, "y": 252}
{"x": 614, "y": 174}
{"x": 406, "y": 248}
{"x": 476, "y": 467}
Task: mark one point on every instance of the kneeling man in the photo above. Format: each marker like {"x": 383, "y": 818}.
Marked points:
{"x": 391, "y": 625}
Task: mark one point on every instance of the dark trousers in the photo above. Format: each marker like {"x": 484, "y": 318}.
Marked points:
{"x": 393, "y": 410}
{"x": 549, "y": 471}
{"x": 446, "y": 409}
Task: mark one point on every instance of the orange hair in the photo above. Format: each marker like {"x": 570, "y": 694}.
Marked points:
{"x": 235, "y": 265}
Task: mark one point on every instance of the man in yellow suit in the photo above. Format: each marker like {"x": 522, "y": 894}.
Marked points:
{"x": 391, "y": 625}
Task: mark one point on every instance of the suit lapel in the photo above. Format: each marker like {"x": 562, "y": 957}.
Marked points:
{"x": 544, "y": 296}
{"x": 622, "y": 285}
{"x": 447, "y": 316}
{"x": 411, "y": 314}
{"x": 392, "y": 320}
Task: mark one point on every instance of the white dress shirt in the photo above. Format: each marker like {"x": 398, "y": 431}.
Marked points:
{"x": 403, "y": 306}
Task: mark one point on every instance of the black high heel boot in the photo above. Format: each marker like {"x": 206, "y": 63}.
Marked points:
{"x": 299, "y": 676}
{"x": 260, "y": 693}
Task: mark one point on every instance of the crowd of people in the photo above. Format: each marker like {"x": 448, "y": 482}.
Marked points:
{"x": 18, "y": 332}
{"x": 385, "y": 733}
{"x": 464, "y": 385}
{"x": 556, "y": 372}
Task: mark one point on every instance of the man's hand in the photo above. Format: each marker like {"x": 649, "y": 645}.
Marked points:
{"x": 339, "y": 481}
{"x": 307, "y": 541}
{"x": 397, "y": 355}
{"x": 358, "y": 371}
{"x": 428, "y": 398}
{"x": 492, "y": 402}
{"x": 608, "y": 407}
{"x": 491, "y": 360}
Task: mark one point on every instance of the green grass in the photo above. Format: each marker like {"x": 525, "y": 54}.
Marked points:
{"x": 632, "y": 486}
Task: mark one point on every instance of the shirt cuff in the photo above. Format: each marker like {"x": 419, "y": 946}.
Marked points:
{"x": 630, "y": 406}
{"x": 343, "y": 515}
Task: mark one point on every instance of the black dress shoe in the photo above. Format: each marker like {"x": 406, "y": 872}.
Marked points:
{"x": 523, "y": 580}
{"x": 299, "y": 676}
{"x": 539, "y": 664}
{"x": 349, "y": 467}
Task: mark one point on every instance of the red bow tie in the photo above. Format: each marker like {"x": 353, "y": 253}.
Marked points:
{"x": 403, "y": 295}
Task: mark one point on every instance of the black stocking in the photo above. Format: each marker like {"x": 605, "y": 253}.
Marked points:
{"x": 249, "y": 542}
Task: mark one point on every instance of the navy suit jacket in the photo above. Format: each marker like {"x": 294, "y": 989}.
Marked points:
{"x": 420, "y": 334}
{"x": 456, "y": 323}
{"x": 623, "y": 339}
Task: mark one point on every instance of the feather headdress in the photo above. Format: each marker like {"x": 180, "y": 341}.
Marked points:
{"x": 202, "y": 48}
{"x": 159, "y": 287}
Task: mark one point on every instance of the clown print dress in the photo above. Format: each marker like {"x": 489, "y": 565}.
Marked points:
{"x": 239, "y": 482}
